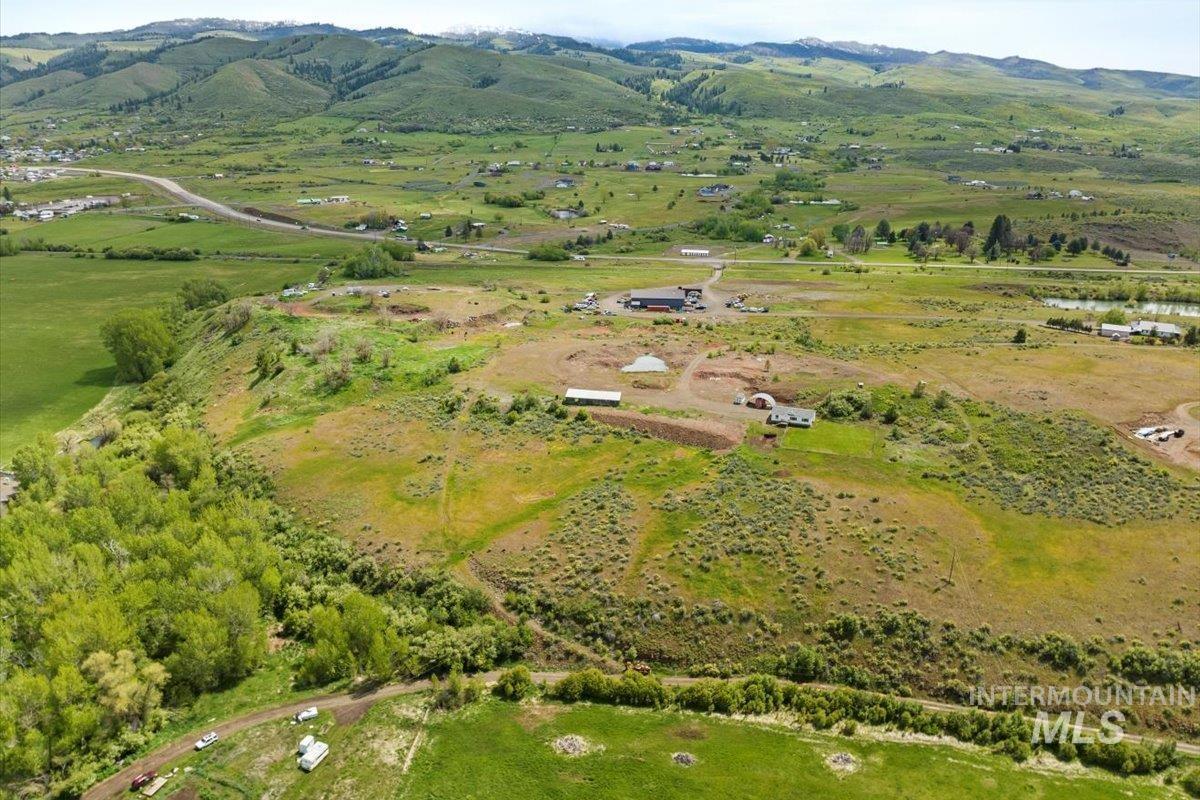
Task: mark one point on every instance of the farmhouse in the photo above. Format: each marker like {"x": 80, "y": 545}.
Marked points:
{"x": 338, "y": 198}
{"x": 591, "y": 397}
{"x": 769, "y": 239}
{"x": 792, "y": 417}
{"x": 662, "y": 299}
{"x": 564, "y": 183}
{"x": 715, "y": 190}
{"x": 1163, "y": 330}
{"x": 694, "y": 252}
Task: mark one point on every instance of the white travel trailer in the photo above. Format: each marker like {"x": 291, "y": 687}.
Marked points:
{"x": 313, "y": 756}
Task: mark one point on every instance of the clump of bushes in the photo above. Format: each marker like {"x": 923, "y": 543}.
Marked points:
{"x": 150, "y": 253}
{"x": 515, "y": 684}
{"x": 377, "y": 261}
{"x": 548, "y": 252}
{"x": 847, "y": 403}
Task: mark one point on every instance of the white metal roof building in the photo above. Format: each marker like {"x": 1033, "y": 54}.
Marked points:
{"x": 592, "y": 397}
{"x": 1163, "y": 330}
{"x": 792, "y": 417}
{"x": 1111, "y": 331}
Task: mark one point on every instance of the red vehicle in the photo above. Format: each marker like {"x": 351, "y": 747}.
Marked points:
{"x": 142, "y": 780}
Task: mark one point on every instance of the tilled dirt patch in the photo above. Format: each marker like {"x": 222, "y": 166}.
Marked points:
{"x": 694, "y": 432}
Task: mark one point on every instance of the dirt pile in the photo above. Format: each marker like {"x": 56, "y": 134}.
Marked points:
{"x": 573, "y": 746}
{"x": 694, "y": 432}
{"x": 842, "y": 763}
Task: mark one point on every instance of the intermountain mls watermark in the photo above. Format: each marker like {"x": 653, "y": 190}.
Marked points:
{"x": 1049, "y": 727}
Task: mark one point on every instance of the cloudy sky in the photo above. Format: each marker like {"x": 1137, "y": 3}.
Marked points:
{"x": 1128, "y": 34}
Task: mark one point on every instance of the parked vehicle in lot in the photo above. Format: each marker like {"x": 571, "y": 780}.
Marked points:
{"x": 306, "y": 714}
{"x": 141, "y": 780}
{"x": 206, "y": 740}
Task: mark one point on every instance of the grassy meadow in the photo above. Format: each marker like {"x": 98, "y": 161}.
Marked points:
{"x": 511, "y": 744}
{"x": 54, "y": 366}
{"x": 970, "y": 508}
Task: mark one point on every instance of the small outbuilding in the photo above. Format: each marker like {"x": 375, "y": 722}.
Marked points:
{"x": 646, "y": 363}
{"x": 791, "y": 417}
{"x": 1110, "y": 331}
{"x": 761, "y": 400}
{"x": 591, "y": 397}
{"x": 668, "y": 298}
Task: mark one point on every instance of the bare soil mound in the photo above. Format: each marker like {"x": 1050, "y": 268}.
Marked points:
{"x": 694, "y": 432}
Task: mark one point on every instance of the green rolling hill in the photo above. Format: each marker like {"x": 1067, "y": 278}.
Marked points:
{"x": 463, "y": 86}
{"x": 222, "y": 70}
{"x": 135, "y": 82}
{"x": 254, "y": 88}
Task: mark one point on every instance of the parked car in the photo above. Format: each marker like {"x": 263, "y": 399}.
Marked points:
{"x": 142, "y": 780}
{"x": 306, "y": 714}
{"x": 206, "y": 740}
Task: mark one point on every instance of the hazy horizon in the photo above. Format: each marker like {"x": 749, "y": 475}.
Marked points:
{"x": 1158, "y": 35}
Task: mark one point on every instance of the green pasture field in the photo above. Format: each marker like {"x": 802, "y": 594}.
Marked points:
{"x": 29, "y": 56}
{"x": 67, "y": 186}
{"x": 53, "y": 366}
{"x": 502, "y": 750}
{"x": 98, "y": 230}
